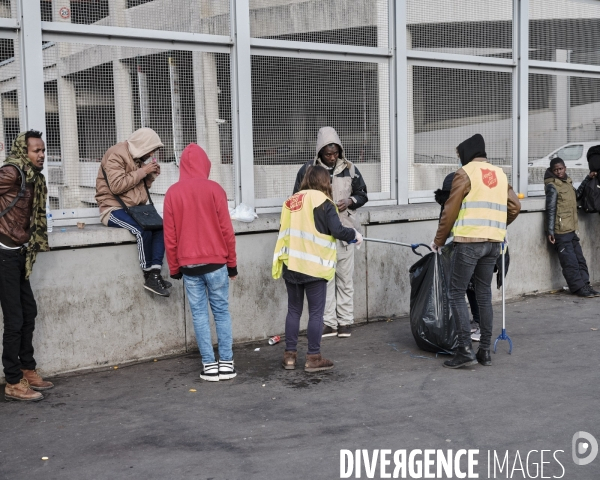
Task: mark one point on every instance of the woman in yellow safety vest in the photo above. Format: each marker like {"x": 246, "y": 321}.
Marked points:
{"x": 305, "y": 255}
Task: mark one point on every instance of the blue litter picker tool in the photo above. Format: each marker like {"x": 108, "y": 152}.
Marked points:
{"x": 413, "y": 246}
{"x": 503, "y": 335}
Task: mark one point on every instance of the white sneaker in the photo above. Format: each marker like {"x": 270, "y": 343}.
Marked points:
{"x": 476, "y": 336}
{"x": 226, "y": 370}
{"x": 210, "y": 372}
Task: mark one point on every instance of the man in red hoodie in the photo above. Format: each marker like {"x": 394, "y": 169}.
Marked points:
{"x": 200, "y": 247}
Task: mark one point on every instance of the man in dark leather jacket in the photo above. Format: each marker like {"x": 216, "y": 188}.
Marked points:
{"x": 562, "y": 226}
{"x": 22, "y": 228}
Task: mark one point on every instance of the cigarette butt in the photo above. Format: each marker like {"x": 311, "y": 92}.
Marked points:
{"x": 115, "y": 367}
{"x": 44, "y": 458}
{"x": 155, "y": 360}
{"x": 192, "y": 389}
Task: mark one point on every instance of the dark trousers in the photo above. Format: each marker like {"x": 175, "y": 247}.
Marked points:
{"x": 572, "y": 261}
{"x": 472, "y": 298}
{"x": 19, "y": 310}
{"x": 151, "y": 245}
{"x": 316, "y": 295}
{"x": 476, "y": 261}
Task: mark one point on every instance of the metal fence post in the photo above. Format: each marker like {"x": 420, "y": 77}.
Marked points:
{"x": 520, "y": 165}
{"x": 401, "y": 75}
{"x": 241, "y": 73}
{"x": 33, "y": 108}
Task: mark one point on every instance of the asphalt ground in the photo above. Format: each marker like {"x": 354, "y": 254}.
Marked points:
{"x": 144, "y": 422}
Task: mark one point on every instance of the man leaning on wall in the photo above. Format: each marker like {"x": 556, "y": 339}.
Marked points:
{"x": 349, "y": 193}
{"x": 23, "y": 233}
{"x": 129, "y": 178}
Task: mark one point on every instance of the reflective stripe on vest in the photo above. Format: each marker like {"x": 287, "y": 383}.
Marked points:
{"x": 307, "y": 236}
{"x": 483, "y": 212}
{"x": 304, "y": 256}
{"x": 300, "y": 245}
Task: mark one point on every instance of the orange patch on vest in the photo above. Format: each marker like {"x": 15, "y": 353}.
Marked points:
{"x": 489, "y": 178}
{"x": 295, "y": 202}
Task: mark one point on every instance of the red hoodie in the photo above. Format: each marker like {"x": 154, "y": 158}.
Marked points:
{"x": 197, "y": 225}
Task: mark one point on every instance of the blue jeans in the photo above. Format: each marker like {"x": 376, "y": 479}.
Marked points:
{"x": 201, "y": 290}
{"x": 151, "y": 245}
{"x": 476, "y": 262}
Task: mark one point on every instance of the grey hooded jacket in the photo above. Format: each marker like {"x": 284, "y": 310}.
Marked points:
{"x": 346, "y": 180}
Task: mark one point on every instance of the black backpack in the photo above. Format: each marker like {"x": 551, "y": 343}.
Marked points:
{"x": 590, "y": 201}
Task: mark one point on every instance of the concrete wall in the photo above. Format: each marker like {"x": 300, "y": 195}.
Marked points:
{"x": 93, "y": 310}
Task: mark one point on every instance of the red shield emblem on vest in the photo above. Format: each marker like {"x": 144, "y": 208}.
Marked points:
{"x": 295, "y": 202}
{"x": 489, "y": 178}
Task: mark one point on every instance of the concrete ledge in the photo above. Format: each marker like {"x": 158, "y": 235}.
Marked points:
{"x": 73, "y": 237}
{"x": 93, "y": 309}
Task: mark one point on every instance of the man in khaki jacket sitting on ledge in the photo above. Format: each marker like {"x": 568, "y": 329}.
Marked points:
{"x": 129, "y": 177}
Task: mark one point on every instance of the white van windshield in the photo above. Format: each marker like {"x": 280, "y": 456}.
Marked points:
{"x": 572, "y": 152}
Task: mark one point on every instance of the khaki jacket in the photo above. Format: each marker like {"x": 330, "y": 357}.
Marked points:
{"x": 563, "y": 206}
{"x": 461, "y": 186}
{"x": 125, "y": 176}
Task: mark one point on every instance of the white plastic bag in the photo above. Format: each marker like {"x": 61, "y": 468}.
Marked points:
{"x": 242, "y": 213}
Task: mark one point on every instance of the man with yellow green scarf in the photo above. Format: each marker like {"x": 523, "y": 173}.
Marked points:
{"x": 23, "y": 233}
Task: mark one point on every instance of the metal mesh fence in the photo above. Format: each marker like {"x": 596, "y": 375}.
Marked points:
{"x": 10, "y": 95}
{"x": 98, "y": 95}
{"x": 293, "y": 97}
{"x": 447, "y": 106}
{"x": 565, "y": 31}
{"x": 564, "y": 121}
{"x": 467, "y": 27}
{"x": 200, "y": 16}
{"x": 357, "y": 22}
{"x": 8, "y": 9}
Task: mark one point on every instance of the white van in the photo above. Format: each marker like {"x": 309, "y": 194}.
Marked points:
{"x": 574, "y": 154}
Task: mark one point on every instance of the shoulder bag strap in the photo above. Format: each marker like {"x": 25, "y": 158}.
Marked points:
{"x": 19, "y": 195}
{"x": 119, "y": 198}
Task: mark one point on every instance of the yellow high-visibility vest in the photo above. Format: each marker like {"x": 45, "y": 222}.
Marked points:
{"x": 483, "y": 211}
{"x": 300, "y": 245}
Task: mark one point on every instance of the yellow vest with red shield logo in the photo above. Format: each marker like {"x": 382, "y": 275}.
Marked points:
{"x": 483, "y": 211}
{"x": 300, "y": 245}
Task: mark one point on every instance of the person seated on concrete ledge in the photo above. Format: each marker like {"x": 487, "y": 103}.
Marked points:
{"x": 129, "y": 178}
{"x": 305, "y": 255}
{"x": 23, "y": 233}
{"x": 200, "y": 244}
{"x": 562, "y": 225}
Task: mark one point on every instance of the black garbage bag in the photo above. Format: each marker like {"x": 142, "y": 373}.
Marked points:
{"x": 498, "y": 268}
{"x": 431, "y": 321}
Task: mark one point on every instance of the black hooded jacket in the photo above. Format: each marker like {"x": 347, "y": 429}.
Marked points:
{"x": 471, "y": 148}
{"x": 442, "y": 194}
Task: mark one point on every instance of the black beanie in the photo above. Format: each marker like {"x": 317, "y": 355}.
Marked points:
{"x": 594, "y": 163}
{"x": 556, "y": 160}
{"x": 471, "y": 148}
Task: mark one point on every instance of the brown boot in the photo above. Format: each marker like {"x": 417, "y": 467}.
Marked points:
{"x": 36, "y": 382}
{"x": 21, "y": 391}
{"x": 289, "y": 360}
{"x": 316, "y": 363}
